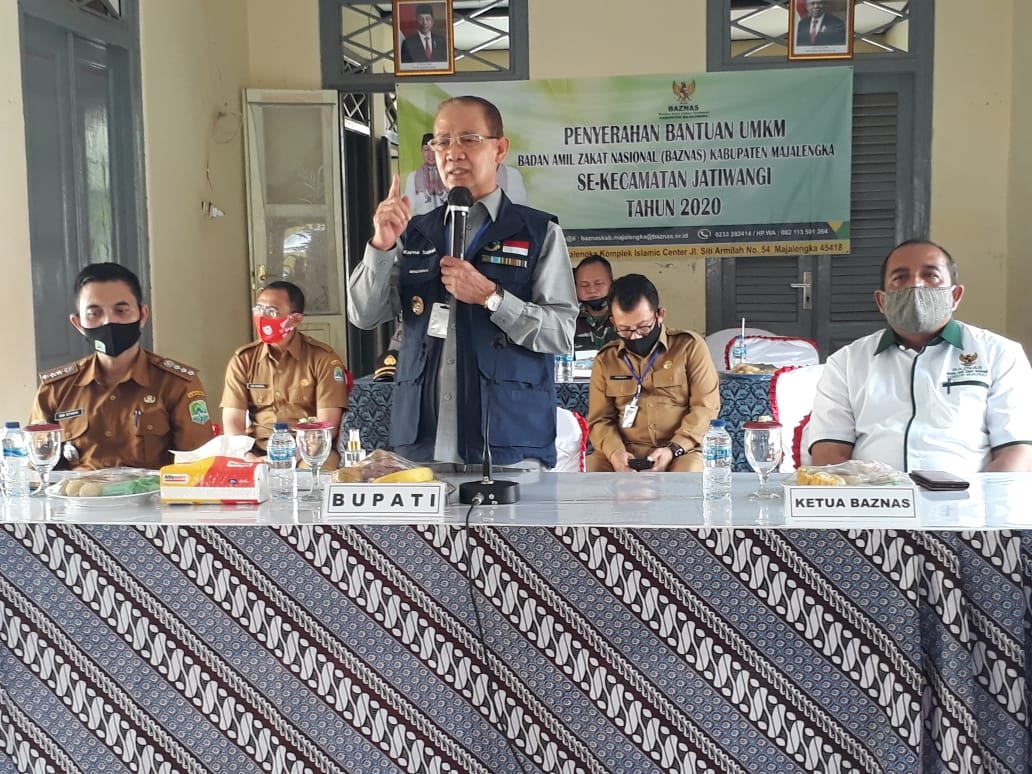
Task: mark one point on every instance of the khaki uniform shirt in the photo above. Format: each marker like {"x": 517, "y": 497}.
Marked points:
{"x": 309, "y": 376}
{"x": 160, "y": 405}
{"x": 679, "y": 396}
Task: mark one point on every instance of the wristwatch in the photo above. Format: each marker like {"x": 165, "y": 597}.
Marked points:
{"x": 494, "y": 301}
{"x": 676, "y": 449}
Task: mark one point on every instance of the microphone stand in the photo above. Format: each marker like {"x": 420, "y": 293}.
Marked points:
{"x": 487, "y": 490}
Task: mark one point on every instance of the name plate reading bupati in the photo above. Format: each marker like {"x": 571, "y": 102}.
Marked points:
{"x": 857, "y": 502}
{"x": 424, "y": 500}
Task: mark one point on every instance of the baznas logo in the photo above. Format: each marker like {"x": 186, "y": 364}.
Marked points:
{"x": 683, "y": 91}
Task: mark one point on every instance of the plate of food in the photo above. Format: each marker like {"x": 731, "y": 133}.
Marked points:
{"x": 105, "y": 488}
{"x": 753, "y": 369}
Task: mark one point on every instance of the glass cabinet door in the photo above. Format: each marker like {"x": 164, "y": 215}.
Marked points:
{"x": 294, "y": 204}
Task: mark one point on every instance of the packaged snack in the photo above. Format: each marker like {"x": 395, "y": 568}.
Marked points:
{"x": 107, "y": 482}
{"x": 754, "y": 368}
{"x": 851, "y": 473}
{"x": 382, "y": 463}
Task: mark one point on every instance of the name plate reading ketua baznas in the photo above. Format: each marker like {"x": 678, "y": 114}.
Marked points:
{"x": 855, "y": 502}
{"x": 425, "y": 500}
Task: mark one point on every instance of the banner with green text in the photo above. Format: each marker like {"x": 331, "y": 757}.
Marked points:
{"x": 700, "y": 165}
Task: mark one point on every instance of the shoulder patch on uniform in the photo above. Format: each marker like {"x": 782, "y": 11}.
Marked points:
{"x": 46, "y": 377}
{"x": 199, "y": 411}
{"x": 174, "y": 367}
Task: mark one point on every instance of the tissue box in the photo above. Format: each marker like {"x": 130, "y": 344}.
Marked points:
{"x": 223, "y": 480}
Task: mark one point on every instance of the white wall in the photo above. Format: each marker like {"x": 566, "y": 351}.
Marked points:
{"x": 194, "y": 64}
{"x": 17, "y": 342}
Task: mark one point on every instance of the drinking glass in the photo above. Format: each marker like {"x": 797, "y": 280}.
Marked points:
{"x": 44, "y": 450}
{"x": 314, "y": 441}
{"x": 763, "y": 451}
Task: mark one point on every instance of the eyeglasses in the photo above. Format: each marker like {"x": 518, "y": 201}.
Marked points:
{"x": 266, "y": 311}
{"x": 640, "y": 331}
{"x": 468, "y": 141}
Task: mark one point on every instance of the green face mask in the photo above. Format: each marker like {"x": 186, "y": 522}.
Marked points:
{"x": 918, "y": 310}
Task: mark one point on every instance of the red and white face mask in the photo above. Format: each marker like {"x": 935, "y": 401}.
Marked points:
{"x": 272, "y": 330}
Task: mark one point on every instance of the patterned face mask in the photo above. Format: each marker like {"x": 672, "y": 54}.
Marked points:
{"x": 272, "y": 330}
{"x": 918, "y": 310}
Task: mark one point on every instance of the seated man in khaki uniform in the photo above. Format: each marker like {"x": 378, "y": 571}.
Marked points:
{"x": 122, "y": 405}
{"x": 653, "y": 390}
{"x": 285, "y": 375}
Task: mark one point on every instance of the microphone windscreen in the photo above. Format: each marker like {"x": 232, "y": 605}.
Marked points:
{"x": 460, "y": 196}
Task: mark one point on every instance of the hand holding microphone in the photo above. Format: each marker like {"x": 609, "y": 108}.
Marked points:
{"x": 460, "y": 278}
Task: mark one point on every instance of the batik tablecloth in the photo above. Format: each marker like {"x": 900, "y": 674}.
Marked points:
{"x": 345, "y": 649}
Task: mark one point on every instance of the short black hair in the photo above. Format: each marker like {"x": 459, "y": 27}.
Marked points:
{"x": 492, "y": 116}
{"x": 426, "y": 138}
{"x": 628, "y": 291}
{"x": 950, "y": 263}
{"x": 592, "y": 259}
{"x": 294, "y": 294}
{"x": 107, "y": 272}
{"x": 425, "y": 8}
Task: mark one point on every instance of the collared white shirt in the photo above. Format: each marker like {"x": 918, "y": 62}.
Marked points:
{"x": 944, "y": 408}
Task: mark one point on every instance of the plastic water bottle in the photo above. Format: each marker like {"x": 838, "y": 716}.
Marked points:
{"x": 281, "y": 457}
{"x": 16, "y": 461}
{"x": 716, "y": 459}
{"x": 739, "y": 352}
{"x": 564, "y": 367}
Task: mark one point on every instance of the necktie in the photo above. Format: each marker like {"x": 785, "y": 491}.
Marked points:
{"x": 427, "y": 48}
{"x": 813, "y": 31}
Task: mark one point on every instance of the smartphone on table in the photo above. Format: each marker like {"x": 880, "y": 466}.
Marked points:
{"x": 938, "y": 481}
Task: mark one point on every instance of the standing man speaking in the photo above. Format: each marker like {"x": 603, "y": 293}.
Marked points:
{"x": 480, "y": 330}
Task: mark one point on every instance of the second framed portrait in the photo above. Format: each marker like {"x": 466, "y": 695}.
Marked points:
{"x": 423, "y": 43}
{"x": 820, "y": 29}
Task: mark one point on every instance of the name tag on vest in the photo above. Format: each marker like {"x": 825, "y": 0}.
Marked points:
{"x": 69, "y": 414}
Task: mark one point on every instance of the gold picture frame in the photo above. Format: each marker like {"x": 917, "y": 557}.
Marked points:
{"x": 827, "y": 34}
{"x": 423, "y": 41}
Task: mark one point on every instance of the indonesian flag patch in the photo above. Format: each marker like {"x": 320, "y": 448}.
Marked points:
{"x": 515, "y": 247}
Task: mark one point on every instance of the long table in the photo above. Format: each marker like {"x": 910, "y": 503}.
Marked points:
{"x": 598, "y": 641}
{"x": 742, "y": 397}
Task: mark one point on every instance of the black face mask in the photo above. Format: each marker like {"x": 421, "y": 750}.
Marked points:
{"x": 645, "y": 344}
{"x": 113, "y": 338}
{"x": 596, "y": 304}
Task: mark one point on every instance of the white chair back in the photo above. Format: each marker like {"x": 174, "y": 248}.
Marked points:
{"x": 717, "y": 343}
{"x": 792, "y": 391}
{"x": 778, "y": 351}
{"x": 571, "y": 441}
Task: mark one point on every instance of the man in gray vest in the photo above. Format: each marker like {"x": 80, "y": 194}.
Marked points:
{"x": 480, "y": 332}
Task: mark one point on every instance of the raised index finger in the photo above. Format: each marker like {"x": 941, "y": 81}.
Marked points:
{"x": 395, "y": 186}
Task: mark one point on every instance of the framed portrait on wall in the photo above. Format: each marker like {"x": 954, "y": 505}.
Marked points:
{"x": 820, "y": 29}
{"x": 423, "y": 43}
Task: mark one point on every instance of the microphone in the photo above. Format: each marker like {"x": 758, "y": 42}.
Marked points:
{"x": 487, "y": 491}
{"x": 459, "y": 201}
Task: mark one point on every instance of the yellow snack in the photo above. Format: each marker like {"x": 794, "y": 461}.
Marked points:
{"x": 91, "y": 489}
{"x": 815, "y": 477}
{"x": 347, "y": 475}
{"x": 71, "y": 487}
{"x": 410, "y": 476}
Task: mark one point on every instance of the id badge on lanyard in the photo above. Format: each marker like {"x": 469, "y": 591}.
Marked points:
{"x": 630, "y": 411}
